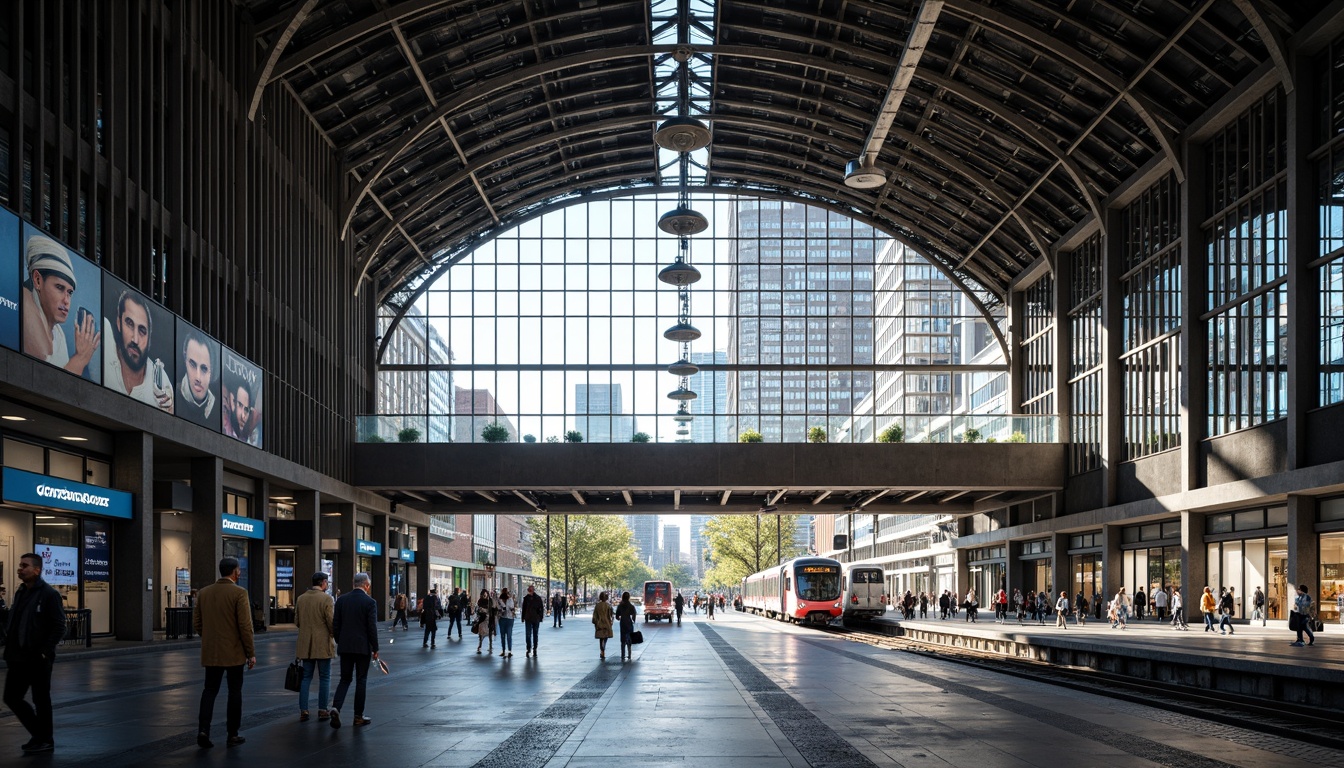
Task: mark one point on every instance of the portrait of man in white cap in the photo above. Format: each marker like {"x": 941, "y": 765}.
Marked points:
{"x": 47, "y": 304}
{"x": 128, "y": 367}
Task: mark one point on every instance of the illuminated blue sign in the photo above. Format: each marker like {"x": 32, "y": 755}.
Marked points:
{"x": 368, "y": 547}
{"x": 22, "y": 487}
{"x": 408, "y": 555}
{"x": 244, "y": 526}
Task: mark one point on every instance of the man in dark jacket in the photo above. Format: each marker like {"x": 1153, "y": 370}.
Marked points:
{"x": 355, "y": 624}
{"x": 534, "y": 610}
{"x": 558, "y": 610}
{"x": 455, "y": 613}
{"x": 430, "y": 611}
{"x": 36, "y": 625}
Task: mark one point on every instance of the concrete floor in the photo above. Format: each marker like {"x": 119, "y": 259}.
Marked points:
{"x": 739, "y": 691}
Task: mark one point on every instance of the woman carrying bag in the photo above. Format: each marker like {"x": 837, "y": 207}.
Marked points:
{"x": 487, "y": 614}
{"x": 1300, "y": 619}
{"x": 625, "y": 613}
{"x": 602, "y": 624}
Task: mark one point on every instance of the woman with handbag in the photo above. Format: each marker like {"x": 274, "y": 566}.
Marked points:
{"x": 487, "y": 614}
{"x": 1300, "y": 617}
{"x": 602, "y": 624}
{"x": 508, "y": 611}
{"x": 625, "y": 613}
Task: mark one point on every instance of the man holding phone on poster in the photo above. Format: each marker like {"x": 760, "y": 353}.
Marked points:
{"x": 46, "y": 306}
{"x": 131, "y": 370}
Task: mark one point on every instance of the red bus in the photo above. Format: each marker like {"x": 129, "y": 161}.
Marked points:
{"x": 658, "y": 601}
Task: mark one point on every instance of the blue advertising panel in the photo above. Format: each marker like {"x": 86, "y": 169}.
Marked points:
{"x": 22, "y": 487}
{"x": 284, "y": 573}
{"x": 363, "y": 547}
{"x": 247, "y": 527}
{"x": 9, "y": 279}
{"x": 97, "y": 552}
{"x": 408, "y": 555}
{"x": 61, "y": 304}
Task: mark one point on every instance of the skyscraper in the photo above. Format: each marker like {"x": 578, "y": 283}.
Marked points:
{"x": 475, "y": 409}
{"x": 710, "y": 425}
{"x": 645, "y": 530}
{"x": 696, "y": 537}
{"x": 597, "y": 409}
{"x": 671, "y": 544}
{"x": 804, "y": 282}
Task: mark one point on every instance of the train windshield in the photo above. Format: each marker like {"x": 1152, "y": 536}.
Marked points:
{"x": 818, "y": 582}
{"x": 867, "y": 577}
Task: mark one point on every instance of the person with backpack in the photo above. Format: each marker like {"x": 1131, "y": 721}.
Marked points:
{"x": 399, "y": 605}
{"x": 455, "y": 613}
{"x": 1227, "y": 607}
{"x": 430, "y": 611}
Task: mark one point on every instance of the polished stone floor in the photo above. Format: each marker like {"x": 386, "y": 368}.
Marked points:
{"x": 738, "y": 691}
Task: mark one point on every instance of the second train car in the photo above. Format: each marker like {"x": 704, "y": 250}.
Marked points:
{"x": 805, "y": 590}
{"x": 865, "y": 592}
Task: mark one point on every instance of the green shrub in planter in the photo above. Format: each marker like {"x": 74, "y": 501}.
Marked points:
{"x": 892, "y": 434}
{"x": 374, "y": 439}
{"x": 573, "y": 436}
{"x": 970, "y": 436}
{"x": 552, "y": 439}
{"x": 816, "y": 435}
{"x": 529, "y": 438}
{"x": 495, "y": 433}
{"x": 751, "y": 436}
{"x": 640, "y": 437}
{"x": 408, "y": 435}
{"x": 1017, "y": 437}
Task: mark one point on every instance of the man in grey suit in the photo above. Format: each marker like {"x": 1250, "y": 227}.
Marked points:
{"x": 355, "y": 625}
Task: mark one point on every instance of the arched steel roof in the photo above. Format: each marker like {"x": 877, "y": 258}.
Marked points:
{"x": 456, "y": 119}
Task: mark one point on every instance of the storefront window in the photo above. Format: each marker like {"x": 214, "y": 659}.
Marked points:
{"x": 1248, "y": 565}
{"x": 1151, "y": 569}
{"x": 97, "y": 575}
{"x": 1332, "y": 577}
{"x": 62, "y": 535}
{"x": 237, "y": 548}
{"x": 1086, "y": 570}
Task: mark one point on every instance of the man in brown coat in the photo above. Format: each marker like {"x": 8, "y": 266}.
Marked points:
{"x": 317, "y": 644}
{"x": 224, "y": 622}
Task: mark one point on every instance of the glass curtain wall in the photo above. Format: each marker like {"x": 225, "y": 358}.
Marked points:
{"x": 1085, "y": 359}
{"x": 1247, "y": 268}
{"x": 553, "y": 330}
{"x": 1329, "y": 161}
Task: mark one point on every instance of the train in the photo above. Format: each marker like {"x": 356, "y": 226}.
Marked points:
{"x": 658, "y": 601}
{"x": 865, "y": 592}
{"x": 805, "y": 590}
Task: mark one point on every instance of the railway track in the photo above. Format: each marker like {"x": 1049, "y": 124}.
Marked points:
{"x": 1307, "y": 724}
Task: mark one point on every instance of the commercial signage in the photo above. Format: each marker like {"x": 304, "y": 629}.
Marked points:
{"x": 62, "y": 305}
{"x": 244, "y": 526}
{"x": 284, "y": 573}
{"x": 363, "y": 547}
{"x": 59, "y": 564}
{"x": 97, "y": 555}
{"x": 818, "y": 569}
{"x": 241, "y": 390}
{"x": 9, "y": 279}
{"x": 22, "y": 487}
{"x": 408, "y": 555}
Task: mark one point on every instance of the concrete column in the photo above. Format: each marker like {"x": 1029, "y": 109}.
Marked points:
{"x": 963, "y": 575}
{"x": 1063, "y": 300}
{"x": 1113, "y": 450}
{"x": 1303, "y": 357}
{"x": 136, "y": 556}
{"x": 423, "y": 583}
{"x": 1012, "y": 565}
{"x": 1304, "y": 551}
{"x": 207, "y": 521}
{"x": 1194, "y": 561}
{"x": 347, "y": 560}
{"x": 1112, "y": 561}
{"x": 259, "y": 553}
{"x": 1016, "y": 332}
{"x": 1194, "y": 379}
{"x": 307, "y": 556}
{"x": 381, "y": 574}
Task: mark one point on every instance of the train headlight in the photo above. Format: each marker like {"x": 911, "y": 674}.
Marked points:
{"x": 837, "y": 605}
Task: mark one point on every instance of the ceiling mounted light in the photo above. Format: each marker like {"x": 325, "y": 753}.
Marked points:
{"x": 683, "y": 367}
{"x": 679, "y": 273}
{"x": 682, "y": 134}
{"x": 682, "y": 415}
{"x": 860, "y": 176}
{"x": 682, "y": 393}
{"x": 683, "y": 222}
{"x": 682, "y": 332}
{"x": 13, "y": 418}
{"x": 74, "y": 439}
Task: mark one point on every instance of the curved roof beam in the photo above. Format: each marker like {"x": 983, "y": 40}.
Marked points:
{"x": 296, "y": 20}
{"x": 1272, "y": 39}
{"x": 920, "y": 32}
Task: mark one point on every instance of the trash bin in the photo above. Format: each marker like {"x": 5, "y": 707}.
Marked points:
{"x": 178, "y": 624}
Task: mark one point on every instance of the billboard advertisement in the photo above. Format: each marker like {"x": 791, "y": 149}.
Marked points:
{"x": 138, "y": 359}
{"x": 241, "y": 395}
{"x": 60, "y": 565}
{"x": 61, "y": 304}
{"x": 198, "y": 375}
{"x": 9, "y": 279}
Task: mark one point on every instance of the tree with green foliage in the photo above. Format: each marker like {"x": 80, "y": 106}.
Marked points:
{"x": 892, "y": 434}
{"x": 640, "y": 437}
{"x": 529, "y": 438}
{"x": 573, "y": 436}
{"x": 816, "y": 435}
{"x": 740, "y": 545}
{"x": 600, "y": 548}
{"x": 495, "y": 432}
{"x": 676, "y": 573}
{"x": 751, "y": 436}
{"x": 633, "y": 579}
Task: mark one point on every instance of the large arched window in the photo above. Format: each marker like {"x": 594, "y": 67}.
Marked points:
{"x": 809, "y": 319}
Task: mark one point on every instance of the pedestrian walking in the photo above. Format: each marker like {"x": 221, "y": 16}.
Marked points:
{"x": 1208, "y": 605}
{"x": 923, "y": 605}
{"x": 1300, "y": 618}
{"x": 557, "y": 611}
{"x": 313, "y": 615}
{"x": 943, "y": 601}
{"x": 1080, "y": 608}
{"x": 680, "y": 603}
{"x": 1019, "y": 605}
{"x": 399, "y": 604}
{"x": 455, "y": 611}
{"x": 709, "y": 607}
{"x": 356, "y": 627}
{"x": 972, "y": 606}
{"x": 224, "y": 622}
{"x": 1258, "y": 603}
{"x": 1178, "y": 610}
{"x": 1042, "y": 607}
{"x": 625, "y": 614}
{"x": 602, "y": 624}
{"x": 1160, "y": 600}
{"x": 1140, "y": 603}
{"x": 534, "y": 610}
{"x": 1001, "y": 606}
{"x": 1121, "y": 606}
{"x": 4, "y": 614}
{"x": 1227, "y": 608}
{"x": 1062, "y": 610}
{"x": 36, "y": 624}
{"x": 430, "y": 610}
{"x": 508, "y": 611}
{"x": 487, "y": 617}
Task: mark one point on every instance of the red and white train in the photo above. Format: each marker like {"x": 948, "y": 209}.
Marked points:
{"x": 803, "y": 590}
